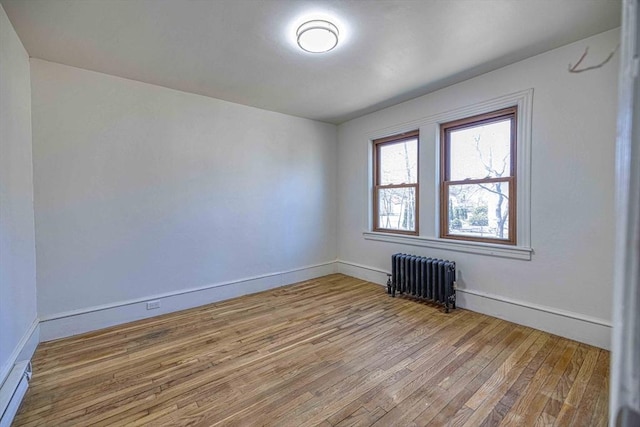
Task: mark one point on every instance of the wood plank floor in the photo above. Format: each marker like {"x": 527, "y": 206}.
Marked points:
{"x": 334, "y": 351}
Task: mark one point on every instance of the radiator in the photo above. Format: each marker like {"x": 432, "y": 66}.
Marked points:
{"x": 425, "y": 278}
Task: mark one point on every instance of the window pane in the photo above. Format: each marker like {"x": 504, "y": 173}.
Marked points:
{"x": 397, "y": 208}
{"x": 481, "y": 151}
{"x": 479, "y": 210}
{"x": 398, "y": 162}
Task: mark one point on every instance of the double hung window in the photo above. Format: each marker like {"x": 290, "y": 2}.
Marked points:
{"x": 395, "y": 198}
{"x": 478, "y": 178}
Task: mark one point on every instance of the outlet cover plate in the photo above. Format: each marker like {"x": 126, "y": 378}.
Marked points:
{"x": 151, "y": 305}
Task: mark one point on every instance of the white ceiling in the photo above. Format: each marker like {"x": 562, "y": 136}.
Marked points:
{"x": 244, "y": 51}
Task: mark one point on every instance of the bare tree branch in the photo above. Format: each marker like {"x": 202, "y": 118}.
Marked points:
{"x": 486, "y": 167}
{"x": 504, "y": 163}
{"x": 493, "y": 191}
{"x": 489, "y": 167}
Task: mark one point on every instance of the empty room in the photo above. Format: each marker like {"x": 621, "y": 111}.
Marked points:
{"x": 333, "y": 213}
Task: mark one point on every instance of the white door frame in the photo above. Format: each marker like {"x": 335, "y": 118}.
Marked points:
{"x": 624, "y": 402}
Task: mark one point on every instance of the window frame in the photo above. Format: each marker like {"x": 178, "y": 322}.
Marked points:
{"x": 510, "y": 113}
{"x": 389, "y": 140}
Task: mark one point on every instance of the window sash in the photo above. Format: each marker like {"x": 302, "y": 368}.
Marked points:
{"x": 376, "y": 209}
{"x": 377, "y": 144}
{"x": 445, "y": 167}
{"x": 444, "y": 214}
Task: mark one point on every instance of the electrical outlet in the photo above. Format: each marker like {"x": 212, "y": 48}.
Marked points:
{"x": 151, "y": 305}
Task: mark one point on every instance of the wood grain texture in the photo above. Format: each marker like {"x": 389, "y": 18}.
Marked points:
{"x": 334, "y": 351}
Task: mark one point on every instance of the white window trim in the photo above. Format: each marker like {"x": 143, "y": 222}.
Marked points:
{"x": 524, "y": 101}
{"x": 492, "y": 249}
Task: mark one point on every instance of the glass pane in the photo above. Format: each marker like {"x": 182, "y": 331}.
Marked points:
{"x": 398, "y": 162}
{"x": 479, "y": 210}
{"x": 481, "y": 151}
{"x": 397, "y": 208}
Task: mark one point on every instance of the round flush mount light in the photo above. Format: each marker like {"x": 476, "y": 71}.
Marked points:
{"x": 317, "y": 36}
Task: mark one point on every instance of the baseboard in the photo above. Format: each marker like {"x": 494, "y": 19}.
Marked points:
{"x": 576, "y": 326}
{"x": 364, "y": 272}
{"x": 23, "y": 351}
{"x": 13, "y": 383}
{"x": 76, "y": 322}
{"x": 12, "y": 394}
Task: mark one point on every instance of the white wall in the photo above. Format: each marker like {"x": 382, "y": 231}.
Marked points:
{"x": 143, "y": 191}
{"x": 566, "y": 287}
{"x": 17, "y": 250}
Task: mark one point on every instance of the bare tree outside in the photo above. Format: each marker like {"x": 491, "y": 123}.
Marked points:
{"x": 398, "y": 164}
{"x": 479, "y": 153}
{"x": 477, "y": 186}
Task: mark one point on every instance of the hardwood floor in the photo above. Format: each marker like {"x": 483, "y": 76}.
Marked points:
{"x": 334, "y": 351}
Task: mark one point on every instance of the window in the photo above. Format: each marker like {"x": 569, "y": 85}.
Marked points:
{"x": 478, "y": 178}
{"x": 395, "y": 178}
{"x": 478, "y": 158}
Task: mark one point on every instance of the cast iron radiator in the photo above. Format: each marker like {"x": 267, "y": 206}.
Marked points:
{"x": 422, "y": 277}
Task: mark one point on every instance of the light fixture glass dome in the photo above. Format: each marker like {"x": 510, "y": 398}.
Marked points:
{"x": 317, "y": 36}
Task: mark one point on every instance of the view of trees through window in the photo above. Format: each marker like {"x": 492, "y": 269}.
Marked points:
{"x": 397, "y": 184}
{"x": 478, "y": 177}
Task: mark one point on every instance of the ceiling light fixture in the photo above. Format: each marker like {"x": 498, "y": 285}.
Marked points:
{"x": 317, "y": 36}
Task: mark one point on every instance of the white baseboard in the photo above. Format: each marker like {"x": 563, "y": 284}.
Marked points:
{"x": 76, "y": 322}
{"x": 13, "y": 385}
{"x": 575, "y": 326}
{"x": 13, "y": 391}
{"x": 23, "y": 351}
{"x": 364, "y": 272}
